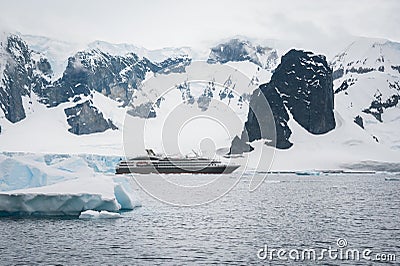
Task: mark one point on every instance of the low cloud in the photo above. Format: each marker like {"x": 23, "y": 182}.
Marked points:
{"x": 314, "y": 24}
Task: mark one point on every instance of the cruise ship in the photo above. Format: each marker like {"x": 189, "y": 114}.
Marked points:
{"x": 153, "y": 163}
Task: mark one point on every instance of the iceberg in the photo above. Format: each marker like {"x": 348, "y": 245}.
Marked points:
{"x": 43, "y": 185}
{"x": 70, "y": 197}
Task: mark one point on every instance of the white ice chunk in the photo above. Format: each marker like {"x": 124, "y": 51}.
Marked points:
{"x": 90, "y": 214}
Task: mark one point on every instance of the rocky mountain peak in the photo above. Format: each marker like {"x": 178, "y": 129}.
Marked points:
{"x": 22, "y": 72}
{"x": 302, "y": 87}
{"x": 242, "y": 50}
{"x": 365, "y": 55}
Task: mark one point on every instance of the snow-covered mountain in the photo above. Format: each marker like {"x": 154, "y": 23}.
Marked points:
{"x": 237, "y": 50}
{"x": 27, "y": 73}
{"x": 57, "y": 52}
{"x": 82, "y": 109}
{"x": 157, "y": 55}
{"x": 367, "y": 88}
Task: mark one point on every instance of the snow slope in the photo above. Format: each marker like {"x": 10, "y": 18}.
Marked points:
{"x": 344, "y": 145}
{"x": 213, "y": 105}
{"x": 45, "y": 130}
{"x": 369, "y": 88}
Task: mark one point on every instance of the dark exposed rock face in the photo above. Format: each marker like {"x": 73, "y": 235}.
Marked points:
{"x": 240, "y": 50}
{"x": 395, "y": 85}
{"x": 114, "y": 76}
{"x": 304, "y": 82}
{"x": 169, "y": 65}
{"x": 360, "y": 70}
{"x": 145, "y": 110}
{"x": 378, "y": 105}
{"x": 86, "y": 119}
{"x": 396, "y": 68}
{"x": 186, "y": 93}
{"x": 239, "y": 146}
{"x": 22, "y": 75}
{"x": 345, "y": 85}
{"x": 203, "y": 102}
{"x": 16, "y": 78}
{"x": 342, "y": 87}
{"x": 280, "y": 115}
{"x": 302, "y": 85}
{"x": 338, "y": 73}
{"x": 359, "y": 121}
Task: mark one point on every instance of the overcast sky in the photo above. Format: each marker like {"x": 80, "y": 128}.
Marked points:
{"x": 155, "y": 24}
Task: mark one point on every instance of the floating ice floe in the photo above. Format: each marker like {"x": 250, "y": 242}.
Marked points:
{"x": 90, "y": 214}
{"x": 31, "y": 186}
{"x": 71, "y": 197}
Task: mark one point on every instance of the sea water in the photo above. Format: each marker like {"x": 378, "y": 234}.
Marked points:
{"x": 286, "y": 212}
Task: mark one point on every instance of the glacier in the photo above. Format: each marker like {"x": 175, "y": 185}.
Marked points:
{"x": 58, "y": 185}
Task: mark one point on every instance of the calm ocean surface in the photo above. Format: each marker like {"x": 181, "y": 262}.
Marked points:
{"x": 287, "y": 211}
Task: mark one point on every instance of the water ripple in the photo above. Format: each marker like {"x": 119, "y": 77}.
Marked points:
{"x": 286, "y": 212}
